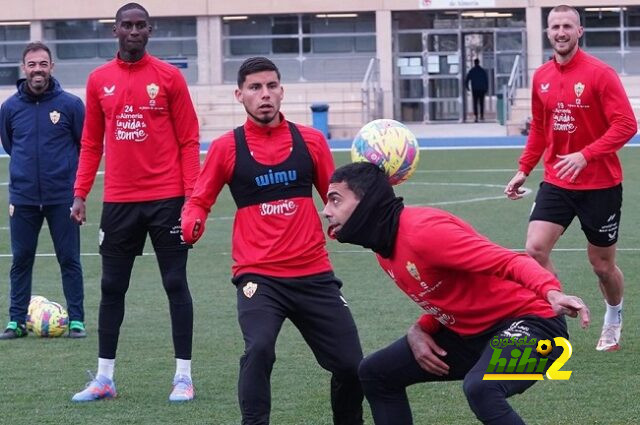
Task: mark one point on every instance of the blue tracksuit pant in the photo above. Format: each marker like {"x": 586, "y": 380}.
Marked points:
{"x": 25, "y": 223}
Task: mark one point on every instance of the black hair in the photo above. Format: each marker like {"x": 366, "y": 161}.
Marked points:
{"x": 35, "y": 46}
{"x": 130, "y": 6}
{"x": 360, "y": 177}
{"x": 253, "y": 65}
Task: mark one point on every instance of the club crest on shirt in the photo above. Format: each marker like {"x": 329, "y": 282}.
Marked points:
{"x": 578, "y": 88}
{"x": 54, "y": 116}
{"x": 152, "y": 90}
{"x": 413, "y": 271}
{"x": 249, "y": 289}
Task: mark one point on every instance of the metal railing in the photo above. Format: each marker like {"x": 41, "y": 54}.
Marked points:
{"x": 371, "y": 92}
{"x": 516, "y": 80}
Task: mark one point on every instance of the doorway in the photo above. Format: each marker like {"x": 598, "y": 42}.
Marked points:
{"x": 430, "y": 84}
{"x": 479, "y": 45}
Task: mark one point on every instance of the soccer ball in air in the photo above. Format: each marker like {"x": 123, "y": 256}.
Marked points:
{"x": 34, "y": 304}
{"x": 49, "y": 319}
{"x": 390, "y": 145}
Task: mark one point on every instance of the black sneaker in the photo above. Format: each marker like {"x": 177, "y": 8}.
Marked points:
{"x": 77, "y": 330}
{"x": 14, "y": 330}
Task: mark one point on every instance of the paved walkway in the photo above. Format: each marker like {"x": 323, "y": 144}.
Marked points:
{"x": 448, "y": 136}
{"x": 454, "y": 136}
{"x": 462, "y": 136}
{"x": 484, "y": 129}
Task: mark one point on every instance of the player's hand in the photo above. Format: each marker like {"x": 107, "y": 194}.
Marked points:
{"x": 570, "y": 305}
{"x": 426, "y": 352}
{"x": 78, "y": 211}
{"x": 195, "y": 233}
{"x": 192, "y": 230}
{"x": 513, "y": 189}
{"x": 192, "y": 223}
{"x": 569, "y": 166}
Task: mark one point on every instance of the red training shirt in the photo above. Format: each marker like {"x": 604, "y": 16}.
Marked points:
{"x": 282, "y": 239}
{"x": 144, "y": 113}
{"x": 460, "y": 278}
{"x": 579, "y": 107}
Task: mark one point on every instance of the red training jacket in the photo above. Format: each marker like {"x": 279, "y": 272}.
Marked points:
{"x": 460, "y": 278}
{"x": 579, "y": 107}
{"x": 144, "y": 113}
{"x": 274, "y": 239}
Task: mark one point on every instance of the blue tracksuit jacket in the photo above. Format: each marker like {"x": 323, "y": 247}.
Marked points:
{"x": 42, "y": 136}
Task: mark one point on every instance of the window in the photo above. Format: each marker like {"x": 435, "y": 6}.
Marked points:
{"x": 610, "y": 33}
{"x": 311, "y": 47}
{"x": 76, "y": 39}
{"x": 452, "y": 19}
{"x": 601, "y": 17}
{"x": 509, "y": 41}
{"x": 632, "y": 16}
{"x": 602, "y": 39}
{"x": 493, "y": 18}
{"x": 79, "y": 46}
{"x": 13, "y": 39}
{"x": 411, "y": 42}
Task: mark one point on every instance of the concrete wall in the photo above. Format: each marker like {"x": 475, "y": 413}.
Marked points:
{"x": 18, "y": 10}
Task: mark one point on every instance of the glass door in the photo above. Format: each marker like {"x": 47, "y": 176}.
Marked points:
{"x": 509, "y": 44}
{"x": 479, "y": 45}
{"x": 442, "y": 75}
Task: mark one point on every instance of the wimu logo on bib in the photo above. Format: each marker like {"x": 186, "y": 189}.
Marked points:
{"x": 277, "y": 177}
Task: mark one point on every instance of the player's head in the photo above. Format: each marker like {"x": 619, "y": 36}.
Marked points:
{"x": 130, "y": 6}
{"x": 564, "y": 30}
{"x": 255, "y": 65}
{"x": 37, "y": 66}
{"x": 132, "y": 28}
{"x": 476, "y": 62}
{"x": 259, "y": 90}
{"x": 360, "y": 185}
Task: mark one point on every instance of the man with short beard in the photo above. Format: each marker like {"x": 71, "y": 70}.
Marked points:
{"x": 40, "y": 127}
{"x": 281, "y": 268}
{"x": 581, "y": 118}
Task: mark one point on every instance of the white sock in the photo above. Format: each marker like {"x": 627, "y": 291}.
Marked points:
{"x": 183, "y": 367}
{"x": 105, "y": 367}
{"x": 613, "y": 316}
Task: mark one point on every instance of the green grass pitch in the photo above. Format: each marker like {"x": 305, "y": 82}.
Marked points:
{"x": 38, "y": 376}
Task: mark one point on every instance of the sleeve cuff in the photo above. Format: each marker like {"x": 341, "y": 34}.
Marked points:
{"x": 526, "y": 171}
{"x": 549, "y": 287}
{"x": 428, "y": 324}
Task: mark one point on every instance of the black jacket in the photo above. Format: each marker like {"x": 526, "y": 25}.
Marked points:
{"x": 478, "y": 77}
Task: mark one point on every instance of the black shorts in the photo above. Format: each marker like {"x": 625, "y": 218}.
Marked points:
{"x": 124, "y": 227}
{"x": 467, "y": 357}
{"x": 598, "y": 210}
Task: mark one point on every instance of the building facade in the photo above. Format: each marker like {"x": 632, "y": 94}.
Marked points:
{"x": 421, "y": 49}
